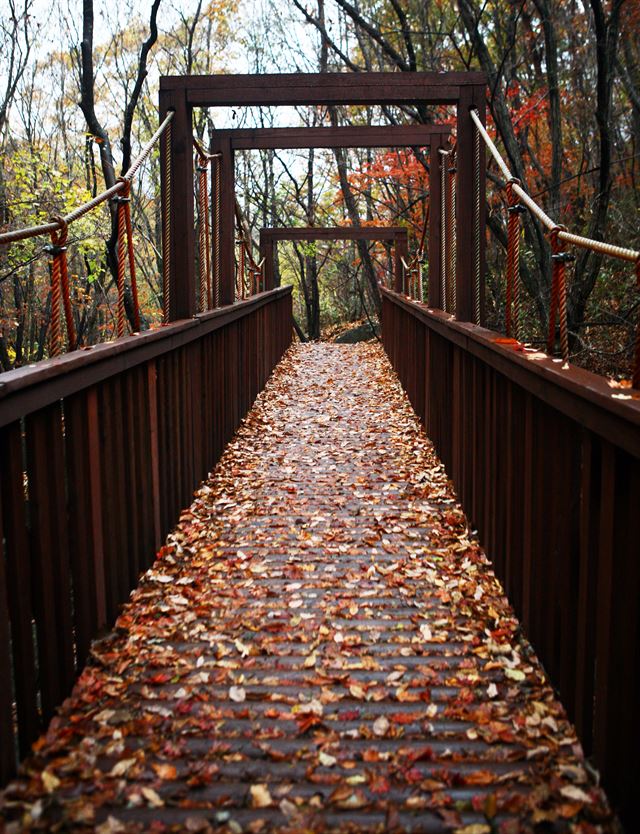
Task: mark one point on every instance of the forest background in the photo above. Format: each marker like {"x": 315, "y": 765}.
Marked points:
{"x": 78, "y": 98}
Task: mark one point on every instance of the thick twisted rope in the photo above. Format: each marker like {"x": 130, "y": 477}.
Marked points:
{"x": 443, "y": 228}
{"x": 204, "y": 238}
{"x": 122, "y": 232}
{"x": 125, "y": 252}
{"x": 558, "y": 303}
{"x": 558, "y": 235}
{"x": 60, "y": 288}
{"x": 241, "y": 265}
{"x": 512, "y": 314}
{"x": 477, "y": 312}
{"x": 452, "y": 243}
{"x": 58, "y": 221}
{"x": 167, "y": 198}
{"x": 216, "y": 230}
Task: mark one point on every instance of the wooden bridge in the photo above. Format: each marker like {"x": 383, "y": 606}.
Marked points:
{"x": 318, "y": 640}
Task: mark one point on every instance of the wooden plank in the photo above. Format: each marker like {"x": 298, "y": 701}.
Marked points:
{"x": 8, "y": 751}
{"x": 110, "y": 505}
{"x": 82, "y": 534}
{"x": 345, "y": 81}
{"x": 391, "y": 233}
{"x": 18, "y": 579}
{"x": 619, "y": 767}
{"x": 159, "y": 384}
{"x": 132, "y": 407}
{"x": 361, "y": 136}
{"x": 50, "y": 555}
{"x": 152, "y": 396}
{"x": 95, "y": 470}
{"x": 602, "y": 714}
{"x": 321, "y": 88}
{"x": 586, "y": 596}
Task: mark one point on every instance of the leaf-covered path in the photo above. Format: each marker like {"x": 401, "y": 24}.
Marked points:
{"x": 321, "y": 646}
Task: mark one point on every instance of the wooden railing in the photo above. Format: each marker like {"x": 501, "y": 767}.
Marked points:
{"x": 546, "y": 463}
{"x": 100, "y": 450}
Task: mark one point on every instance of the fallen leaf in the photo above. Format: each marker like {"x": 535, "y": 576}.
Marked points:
{"x": 152, "y": 797}
{"x": 237, "y": 694}
{"x": 381, "y": 726}
{"x": 165, "y": 771}
{"x": 122, "y": 767}
{"x": 260, "y": 796}
{"x": 50, "y": 781}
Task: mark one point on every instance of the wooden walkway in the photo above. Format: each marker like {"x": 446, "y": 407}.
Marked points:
{"x": 321, "y": 646}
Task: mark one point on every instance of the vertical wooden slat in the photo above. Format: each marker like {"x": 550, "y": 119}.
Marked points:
{"x": 51, "y": 576}
{"x": 155, "y": 462}
{"x": 527, "y": 509}
{"x": 619, "y": 767}
{"x": 95, "y": 473}
{"x": 602, "y": 712}
{"x": 8, "y": 752}
{"x": 82, "y": 554}
{"x": 132, "y": 407}
{"x": 18, "y": 578}
{"x": 589, "y": 497}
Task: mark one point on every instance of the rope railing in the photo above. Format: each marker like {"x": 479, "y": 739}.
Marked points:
{"x": 412, "y": 281}
{"x": 559, "y": 237}
{"x": 448, "y": 236}
{"x": 58, "y": 223}
{"x": 167, "y": 196}
{"x": 208, "y": 166}
{"x": 247, "y": 263}
{"x": 58, "y": 228}
{"x": 206, "y": 293}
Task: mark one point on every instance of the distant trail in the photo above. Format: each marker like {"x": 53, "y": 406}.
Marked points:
{"x": 321, "y": 646}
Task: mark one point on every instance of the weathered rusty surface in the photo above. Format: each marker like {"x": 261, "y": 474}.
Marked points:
{"x": 321, "y": 645}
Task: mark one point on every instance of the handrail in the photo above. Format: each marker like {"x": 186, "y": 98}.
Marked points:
{"x": 600, "y": 246}
{"x": 559, "y": 235}
{"x": 80, "y": 211}
{"x": 27, "y": 388}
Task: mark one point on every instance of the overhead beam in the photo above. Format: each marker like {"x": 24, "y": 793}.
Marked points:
{"x": 333, "y": 233}
{"x": 322, "y": 88}
{"x": 397, "y": 235}
{"x": 360, "y": 136}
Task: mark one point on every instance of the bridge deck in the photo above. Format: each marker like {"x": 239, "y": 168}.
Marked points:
{"x": 321, "y": 646}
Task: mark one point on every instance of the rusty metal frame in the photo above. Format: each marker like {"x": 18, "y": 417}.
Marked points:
{"x": 465, "y": 90}
{"x": 397, "y": 235}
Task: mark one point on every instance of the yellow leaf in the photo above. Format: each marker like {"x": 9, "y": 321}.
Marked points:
{"x": 260, "y": 796}
{"x": 50, "y": 781}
